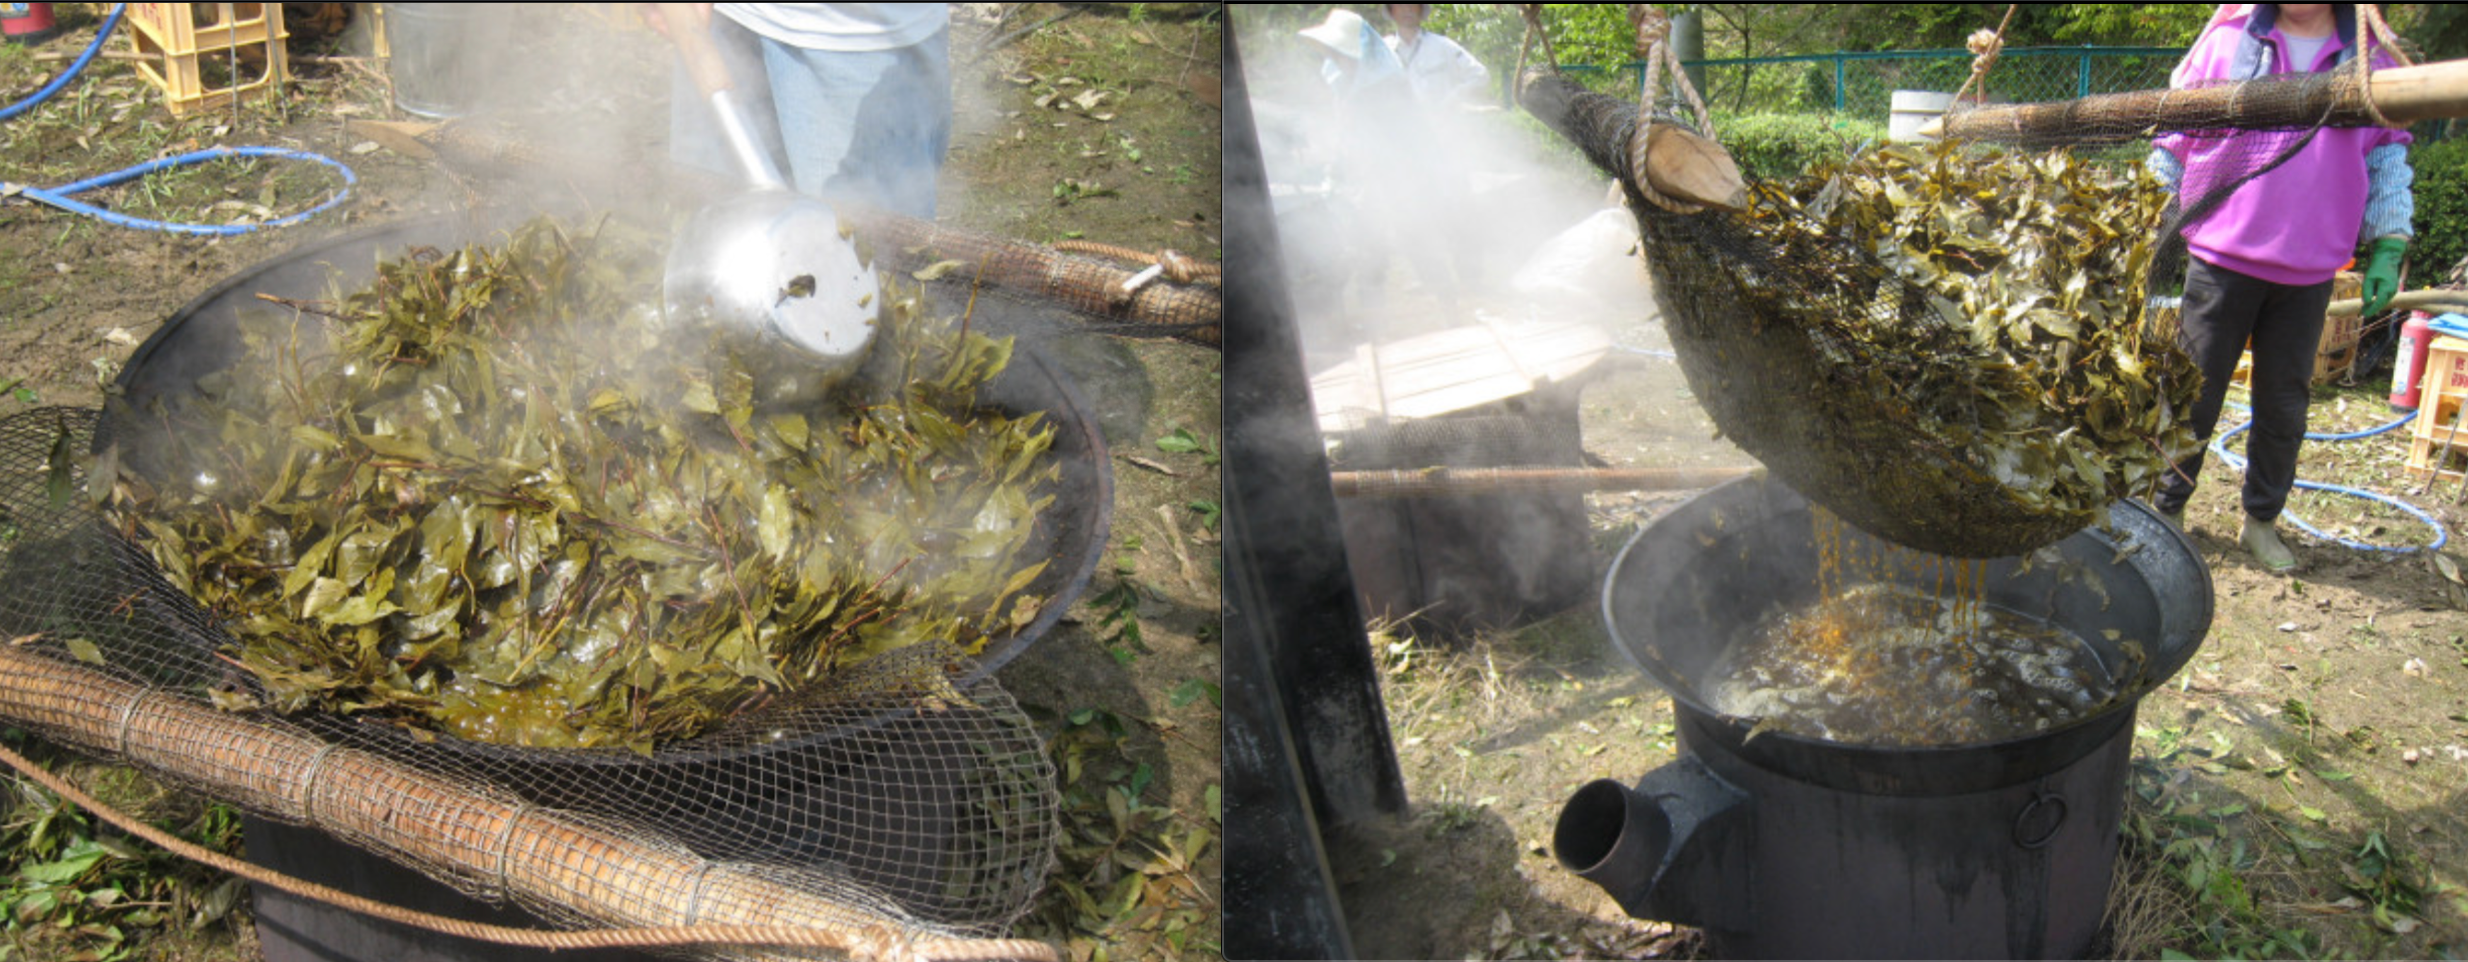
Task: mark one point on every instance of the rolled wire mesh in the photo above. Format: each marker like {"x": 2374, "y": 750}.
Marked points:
{"x": 887, "y": 803}
{"x": 1092, "y": 288}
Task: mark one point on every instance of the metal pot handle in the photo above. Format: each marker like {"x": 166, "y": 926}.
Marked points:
{"x": 2040, "y": 797}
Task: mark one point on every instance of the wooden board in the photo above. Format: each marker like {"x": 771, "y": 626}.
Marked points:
{"x": 1452, "y": 370}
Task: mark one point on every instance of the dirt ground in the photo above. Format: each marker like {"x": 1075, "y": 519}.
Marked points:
{"x": 1084, "y": 122}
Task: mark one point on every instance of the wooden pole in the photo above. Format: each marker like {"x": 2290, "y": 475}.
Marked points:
{"x": 2406, "y": 301}
{"x": 2404, "y": 95}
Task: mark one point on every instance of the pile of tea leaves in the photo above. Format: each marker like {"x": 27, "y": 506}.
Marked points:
{"x": 494, "y": 495}
{"x": 2069, "y": 391}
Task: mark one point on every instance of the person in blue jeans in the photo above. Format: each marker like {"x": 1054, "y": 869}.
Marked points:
{"x": 852, "y": 99}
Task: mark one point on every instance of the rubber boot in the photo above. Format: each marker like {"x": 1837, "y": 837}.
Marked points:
{"x": 2262, "y": 538}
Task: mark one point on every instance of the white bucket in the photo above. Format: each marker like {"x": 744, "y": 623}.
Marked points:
{"x": 1913, "y": 109}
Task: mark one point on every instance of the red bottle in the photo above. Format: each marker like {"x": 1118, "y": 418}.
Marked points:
{"x": 27, "y": 23}
{"x": 2408, "y": 365}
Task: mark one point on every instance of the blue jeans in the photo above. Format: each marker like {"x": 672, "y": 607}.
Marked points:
{"x": 866, "y": 128}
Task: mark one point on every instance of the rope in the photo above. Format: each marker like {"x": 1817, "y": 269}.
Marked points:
{"x": 1179, "y": 267}
{"x": 1654, "y": 39}
{"x": 59, "y": 196}
{"x": 874, "y": 943}
{"x": 2373, "y": 30}
{"x": 1532, "y": 13}
{"x": 1985, "y": 46}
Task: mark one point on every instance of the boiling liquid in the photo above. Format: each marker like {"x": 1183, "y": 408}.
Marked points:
{"x": 1889, "y": 665}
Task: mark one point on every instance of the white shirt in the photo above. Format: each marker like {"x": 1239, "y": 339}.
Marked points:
{"x": 1442, "y": 73}
{"x": 841, "y": 27}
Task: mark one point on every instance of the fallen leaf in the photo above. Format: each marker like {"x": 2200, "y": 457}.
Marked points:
{"x": 1152, "y": 465}
{"x": 120, "y": 336}
{"x": 936, "y": 270}
{"x": 364, "y": 147}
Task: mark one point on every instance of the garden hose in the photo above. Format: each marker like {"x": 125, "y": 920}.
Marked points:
{"x": 58, "y": 196}
{"x": 2442, "y": 536}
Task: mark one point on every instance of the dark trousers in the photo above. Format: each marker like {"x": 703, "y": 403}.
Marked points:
{"x": 2223, "y": 309}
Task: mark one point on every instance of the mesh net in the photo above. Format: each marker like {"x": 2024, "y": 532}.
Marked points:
{"x": 1911, "y": 366}
{"x": 905, "y": 795}
{"x": 876, "y": 802}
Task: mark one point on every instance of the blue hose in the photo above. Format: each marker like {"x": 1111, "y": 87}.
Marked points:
{"x": 65, "y": 76}
{"x": 58, "y": 196}
{"x": 2442, "y": 536}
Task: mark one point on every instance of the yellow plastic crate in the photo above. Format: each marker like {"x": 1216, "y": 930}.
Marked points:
{"x": 206, "y": 54}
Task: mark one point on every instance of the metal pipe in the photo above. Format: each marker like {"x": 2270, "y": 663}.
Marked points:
{"x": 1675, "y": 847}
{"x": 1454, "y": 482}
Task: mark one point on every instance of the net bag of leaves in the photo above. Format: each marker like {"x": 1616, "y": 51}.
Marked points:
{"x": 1947, "y": 349}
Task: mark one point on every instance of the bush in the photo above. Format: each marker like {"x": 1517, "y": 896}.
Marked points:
{"x": 2442, "y": 210}
{"x": 1771, "y": 146}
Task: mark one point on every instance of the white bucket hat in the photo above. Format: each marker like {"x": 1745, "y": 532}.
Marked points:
{"x": 1342, "y": 34}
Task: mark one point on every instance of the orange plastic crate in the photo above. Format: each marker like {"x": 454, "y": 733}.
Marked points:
{"x": 206, "y": 54}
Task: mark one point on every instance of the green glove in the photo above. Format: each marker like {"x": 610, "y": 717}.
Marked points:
{"x": 2382, "y": 273}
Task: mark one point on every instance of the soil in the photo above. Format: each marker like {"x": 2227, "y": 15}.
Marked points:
{"x": 1093, "y": 122}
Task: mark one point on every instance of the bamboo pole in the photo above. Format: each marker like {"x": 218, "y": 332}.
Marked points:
{"x": 2406, "y": 301}
{"x": 1447, "y": 482}
{"x": 2404, "y": 95}
{"x": 617, "y": 876}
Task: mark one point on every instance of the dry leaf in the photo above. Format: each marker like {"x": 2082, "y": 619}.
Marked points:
{"x": 935, "y": 271}
{"x": 1138, "y": 461}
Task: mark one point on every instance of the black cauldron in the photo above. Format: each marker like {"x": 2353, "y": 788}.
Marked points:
{"x": 792, "y": 792}
{"x": 1781, "y": 846}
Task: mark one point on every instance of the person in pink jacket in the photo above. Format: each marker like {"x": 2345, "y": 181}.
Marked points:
{"x": 2260, "y": 264}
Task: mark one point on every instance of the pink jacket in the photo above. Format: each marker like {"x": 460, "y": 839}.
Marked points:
{"x": 2299, "y": 223}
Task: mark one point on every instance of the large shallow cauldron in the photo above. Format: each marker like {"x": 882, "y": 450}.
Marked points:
{"x": 871, "y": 797}
{"x": 1787, "y": 847}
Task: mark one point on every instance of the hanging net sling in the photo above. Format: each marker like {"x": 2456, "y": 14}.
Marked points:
{"x": 1953, "y": 346}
